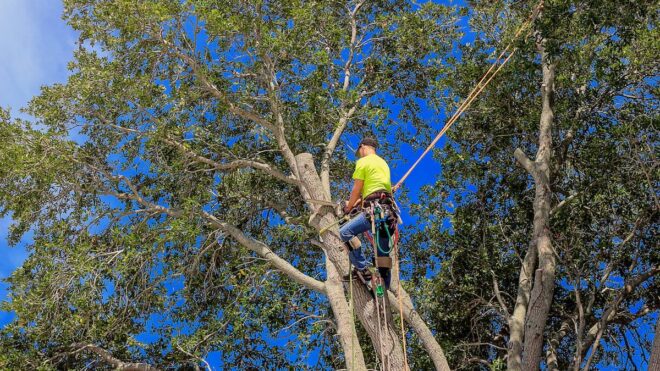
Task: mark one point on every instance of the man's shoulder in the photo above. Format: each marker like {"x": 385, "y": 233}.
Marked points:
{"x": 380, "y": 160}
{"x": 373, "y": 159}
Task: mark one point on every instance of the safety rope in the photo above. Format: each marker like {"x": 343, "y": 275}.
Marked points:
{"x": 398, "y": 294}
{"x": 494, "y": 69}
{"x": 350, "y": 301}
{"x": 375, "y": 289}
{"x": 481, "y": 85}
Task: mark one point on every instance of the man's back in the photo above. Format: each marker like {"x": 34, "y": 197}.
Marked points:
{"x": 375, "y": 173}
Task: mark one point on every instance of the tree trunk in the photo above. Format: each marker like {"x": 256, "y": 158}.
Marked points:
{"x": 384, "y": 337}
{"x": 544, "y": 279}
{"x": 423, "y": 332}
{"x": 416, "y": 322}
{"x": 517, "y": 318}
{"x": 654, "y": 362}
{"x": 345, "y": 324}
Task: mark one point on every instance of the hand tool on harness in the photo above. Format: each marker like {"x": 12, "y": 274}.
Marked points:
{"x": 384, "y": 219}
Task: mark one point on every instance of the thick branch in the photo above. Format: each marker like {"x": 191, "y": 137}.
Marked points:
{"x": 524, "y": 161}
{"x": 265, "y": 252}
{"x": 654, "y": 362}
{"x": 237, "y": 164}
{"x": 112, "y": 361}
{"x": 256, "y": 246}
{"x": 517, "y": 318}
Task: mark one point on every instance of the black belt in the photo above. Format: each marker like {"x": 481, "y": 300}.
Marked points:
{"x": 378, "y": 195}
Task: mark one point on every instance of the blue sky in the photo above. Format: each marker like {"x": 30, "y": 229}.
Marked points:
{"x": 36, "y": 45}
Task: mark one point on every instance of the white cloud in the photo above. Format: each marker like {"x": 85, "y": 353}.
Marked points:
{"x": 35, "y": 46}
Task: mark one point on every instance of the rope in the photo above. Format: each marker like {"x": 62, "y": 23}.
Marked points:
{"x": 393, "y": 245}
{"x": 352, "y": 305}
{"x": 375, "y": 289}
{"x": 481, "y": 85}
{"x": 327, "y": 227}
{"x": 398, "y": 278}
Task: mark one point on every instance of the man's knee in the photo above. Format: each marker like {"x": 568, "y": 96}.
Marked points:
{"x": 345, "y": 235}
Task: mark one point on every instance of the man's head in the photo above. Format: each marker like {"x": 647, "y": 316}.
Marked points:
{"x": 367, "y": 146}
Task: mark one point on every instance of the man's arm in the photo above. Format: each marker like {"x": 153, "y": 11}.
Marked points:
{"x": 355, "y": 195}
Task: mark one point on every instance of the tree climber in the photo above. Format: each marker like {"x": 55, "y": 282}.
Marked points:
{"x": 374, "y": 209}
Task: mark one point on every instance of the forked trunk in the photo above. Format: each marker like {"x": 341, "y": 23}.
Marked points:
{"x": 383, "y": 335}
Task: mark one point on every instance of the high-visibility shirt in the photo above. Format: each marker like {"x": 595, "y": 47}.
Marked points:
{"x": 375, "y": 173}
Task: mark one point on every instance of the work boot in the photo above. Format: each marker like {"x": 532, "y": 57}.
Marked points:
{"x": 363, "y": 275}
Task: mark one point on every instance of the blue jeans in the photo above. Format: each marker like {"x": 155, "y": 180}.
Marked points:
{"x": 356, "y": 227}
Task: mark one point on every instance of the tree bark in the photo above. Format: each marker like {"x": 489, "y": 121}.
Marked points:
{"x": 544, "y": 279}
{"x": 344, "y": 319}
{"x": 654, "y": 362}
{"x": 108, "y": 358}
{"x": 383, "y": 337}
{"x": 517, "y": 318}
{"x": 423, "y": 332}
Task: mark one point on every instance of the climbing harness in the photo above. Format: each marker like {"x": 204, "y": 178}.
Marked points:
{"x": 383, "y": 213}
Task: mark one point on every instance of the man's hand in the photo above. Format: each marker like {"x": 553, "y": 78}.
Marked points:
{"x": 346, "y": 209}
{"x": 355, "y": 195}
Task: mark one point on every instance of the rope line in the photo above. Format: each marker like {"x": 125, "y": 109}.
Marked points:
{"x": 488, "y": 76}
{"x": 398, "y": 280}
{"x": 478, "y": 88}
{"x": 350, "y": 300}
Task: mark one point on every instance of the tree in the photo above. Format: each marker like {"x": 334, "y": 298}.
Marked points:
{"x": 581, "y": 243}
{"x": 654, "y": 362}
{"x": 208, "y": 130}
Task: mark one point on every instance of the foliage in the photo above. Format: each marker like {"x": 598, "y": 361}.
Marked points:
{"x": 183, "y": 117}
{"x": 604, "y": 183}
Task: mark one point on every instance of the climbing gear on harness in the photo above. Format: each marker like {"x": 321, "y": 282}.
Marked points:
{"x": 384, "y": 261}
{"x": 353, "y": 243}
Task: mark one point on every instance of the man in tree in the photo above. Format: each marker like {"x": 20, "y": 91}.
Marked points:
{"x": 371, "y": 198}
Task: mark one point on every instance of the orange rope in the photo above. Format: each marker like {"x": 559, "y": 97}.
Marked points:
{"x": 403, "y": 329}
{"x": 479, "y": 87}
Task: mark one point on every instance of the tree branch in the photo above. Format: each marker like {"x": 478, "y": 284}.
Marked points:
{"x": 256, "y": 246}
{"x": 498, "y": 295}
{"x": 270, "y": 78}
{"x": 330, "y": 148}
{"x": 109, "y": 359}
{"x": 524, "y": 161}
{"x": 237, "y": 164}
{"x": 595, "y": 333}
{"x": 563, "y": 203}
{"x": 265, "y": 252}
